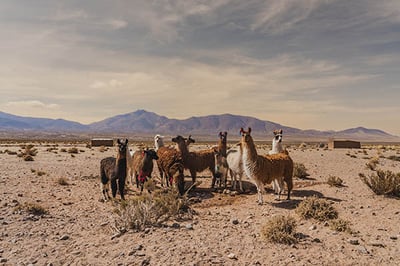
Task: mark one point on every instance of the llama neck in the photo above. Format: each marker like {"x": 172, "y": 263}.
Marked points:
{"x": 249, "y": 151}
{"x": 276, "y": 147}
{"x": 222, "y": 148}
{"x": 182, "y": 147}
{"x": 158, "y": 144}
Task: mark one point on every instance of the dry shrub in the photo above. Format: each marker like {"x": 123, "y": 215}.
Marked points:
{"x": 280, "y": 229}
{"x": 383, "y": 183}
{"x": 300, "y": 171}
{"x": 28, "y": 158}
{"x": 63, "y": 150}
{"x": 40, "y": 173}
{"x": 153, "y": 209}
{"x": 73, "y": 150}
{"x": 11, "y": 152}
{"x": 340, "y": 225}
{"x": 32, "y": 208}
{"x": 334, "y": 181}
{"x": 62, "y": 181}
{"x": 373, "y": 163}
{"x": 316, "y": 208}
{"x": 394, "y": 158}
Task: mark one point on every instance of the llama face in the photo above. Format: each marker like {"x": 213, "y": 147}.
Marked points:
{"x": 159, "y": 140}
{"x": 152, "y": 154}
{"x": 223, "y": 136}
{"x": 245, "y": 134}
{"x": 122, "y": 146}
{"x": 179, "y": 139}
{"x": 278, "y": 136}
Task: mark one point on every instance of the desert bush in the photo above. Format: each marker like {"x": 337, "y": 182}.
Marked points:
{"x": 63, "y": 150}
{"x": 316, "y": 208}
{"x": 280, "y": 229}
{"x": 32, "y": 208}
{"x": 334, "y": 181}
{"x": 73, "y": 150}
{"x": 40, "y": 173}
{"x": 340, "y": 225}
{"x": 394, "y": 158}
{"x": 383, "y": 183}
{"x": 153, "y": 209}
{"x": 373, "y": 163}
{"x": 11, "y": 152}
{"x": 62, "y": 181}
{"x": 28, "y": 158}
{"x": 300, "y": 171}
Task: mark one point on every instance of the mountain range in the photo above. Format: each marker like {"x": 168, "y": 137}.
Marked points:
{"x": 142, "y": 122}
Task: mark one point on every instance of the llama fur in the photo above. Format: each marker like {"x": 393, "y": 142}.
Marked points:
{"x": 170, "y": 164}
{"x": 196, "y": 161}
{"x": 143, "y": 166}
{"x": 277, "y": 148}
{"x": 264, "y": 169}
{"x": 113, "y": 170}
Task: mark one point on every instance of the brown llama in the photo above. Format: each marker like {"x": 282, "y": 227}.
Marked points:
{"x": 264, "y": 169}
{"x": 114, "y": 169}
{"x": 197, "y": 161}
{"x": 143, "y": 166}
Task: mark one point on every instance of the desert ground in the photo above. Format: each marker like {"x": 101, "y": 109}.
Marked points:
{"x": 226, "y": 229}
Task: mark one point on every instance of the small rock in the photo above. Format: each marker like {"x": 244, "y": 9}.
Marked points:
{"x": 312, "y": 227}
{"x": 189, "y": 226}
{"x": 3, "y": 260}
{"x": 316, "y": 240}
{"x": 232, "y": 256}
{"x": 147, "y": 230}
{"x": 353, "y": 241}
{"x": 362, "y": 250}
{"x": 393, "y": 237}
{"x": 64, "y": 237}
{"x": 235, "y": 221}
{"x": 377, "y": 244}
{"x": 176, "y": 225}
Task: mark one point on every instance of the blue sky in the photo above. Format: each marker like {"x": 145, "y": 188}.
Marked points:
{"x": 306, "y": 63}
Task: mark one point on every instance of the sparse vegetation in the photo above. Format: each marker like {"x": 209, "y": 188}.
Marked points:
{"x": 316, "y": 208}
{"x": 383, "y": 183}
{"x": 394, "y": 158}
{"x": 153, "y": 209}
{"x": 32, "y": 208}
{"x": 340, "y": 225}
{"x": 334, "y": 181}
{"x": 280, "y": 229}
{"x": 62, "y": 181}
{"x": 300, "y": 171}
{"x": 373, "y": 163}
{"x": 73, "y": 150}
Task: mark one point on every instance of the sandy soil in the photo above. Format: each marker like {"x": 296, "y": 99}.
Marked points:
{"x": 226, "y": 230}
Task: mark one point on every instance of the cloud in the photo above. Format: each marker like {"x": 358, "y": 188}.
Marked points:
{"x": 117, "y": 23}
{"x": 113, "y": 83}
{"x": 35, "y": 104}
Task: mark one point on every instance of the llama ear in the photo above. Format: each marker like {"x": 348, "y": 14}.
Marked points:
{"x": 226, "y": 133}
{"x": 241, "y": 130}
{"x": 249, "y": 130}
{"x": 118, "y": 141}
{"x": 126, "y": 141}
{"x": 280, "y": 131}
{"x": 220, "y": 134}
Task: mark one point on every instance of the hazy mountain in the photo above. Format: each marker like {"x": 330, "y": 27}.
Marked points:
{"x": 144, "y": 122}
{"x": 13, "y": 122}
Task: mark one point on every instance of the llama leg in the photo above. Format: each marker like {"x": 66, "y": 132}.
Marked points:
{"x": 240, "y": 183}
{"x": 114, "y": 187}
{"x": 233, "y": 179}
{"x": 104, "y": 190}
{"x": 193, "y": 174}
{"x": 289, "y": 183}
{"x": 121, "y": 187}
{"x": 261, "y": 191}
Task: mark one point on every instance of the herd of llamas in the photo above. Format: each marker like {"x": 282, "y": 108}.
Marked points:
{"x": 240, "y": 161}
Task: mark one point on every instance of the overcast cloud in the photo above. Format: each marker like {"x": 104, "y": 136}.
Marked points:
{"x": 321, "y": 64}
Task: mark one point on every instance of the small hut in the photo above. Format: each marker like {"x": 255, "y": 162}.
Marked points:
{"x": 102, "y": 142}
{"x": 343, "y": 144}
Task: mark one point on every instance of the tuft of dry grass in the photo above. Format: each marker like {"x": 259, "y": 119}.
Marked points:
{"x": 28, "y": 158}
{"x": 280, "y": 229}
{"x": 300, "y": 171}
{"x": 73, "y": 150}
{"x": 340, "y": 225}
{"x": 62, "y": 181}
{"x": 394, "y": 158}
{"x": 334, "y": 181}
{"x": 316, "y": 208}
{"x": 32, "y": 208}
{"x": 153, "y": 209}
{"x": 383, "y": 183}
{"x": 373, "y": 163}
